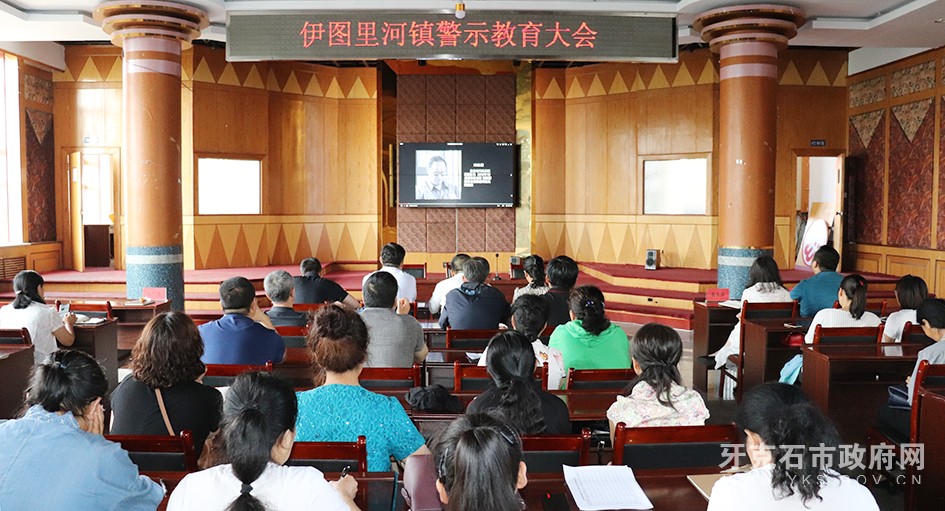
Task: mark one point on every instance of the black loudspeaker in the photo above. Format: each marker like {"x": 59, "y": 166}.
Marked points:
{"x": 652, "y": 259}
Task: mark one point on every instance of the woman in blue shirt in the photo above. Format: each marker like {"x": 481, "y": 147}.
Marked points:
{"x": 55, "y": 456}
{"x": 339, "y": 410}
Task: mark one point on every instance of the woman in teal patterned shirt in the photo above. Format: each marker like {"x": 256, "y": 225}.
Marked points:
{"x": 339, "y": 409}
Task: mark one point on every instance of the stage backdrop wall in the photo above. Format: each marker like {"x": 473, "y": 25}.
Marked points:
{"x": 897, "y": 150}
{"x": 315, "y": 129}
{"x": 595, "y": 125}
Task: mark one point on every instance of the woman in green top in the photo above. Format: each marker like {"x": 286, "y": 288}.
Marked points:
{"x": 590, "y": 340}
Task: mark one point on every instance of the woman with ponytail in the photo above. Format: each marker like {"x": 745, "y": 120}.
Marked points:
{"x": 29, "y": 310}
{"x": 514, "y": 394}
{"x": 786, "y": 439}
{"x": 55, "y": 456}
{"x": 257, "y": 437}
{"x": 339, "y": 409}
{"x": 852, "y": 311}
{"x": 534, "y": 267}
{"x": 479, "y": 465}
{"x": 590, "y": 340}
{"x": 656, "y": 397}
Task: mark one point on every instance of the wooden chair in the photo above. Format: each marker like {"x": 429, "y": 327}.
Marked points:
{"x": 673, "y": 447}
{"x": 545, "y": 335}
{"x": 431, "y": 424}
{"x": 547, "y": 453}
{"x": 222, "y": 375}
{"x": 913, "y": 334}
{"x": 928, "y": 415}
{"x": 878, "y": 307}
{"x": 848, "y": 335}
{"x": 307, "y": 307}
{"x": 418, "y": 270}
{"x": 753, "y": 311}
{"x": 471, "y": 340}
{"x": 330, "y": 456}
{"x": 599, "y": 379}
{"x": 15, "y": 336}
{"x": 374, "y": 378}
{"x": 159, "y": 453}
{"x": 468, "y": 377}
{"x": 294, "y": 336}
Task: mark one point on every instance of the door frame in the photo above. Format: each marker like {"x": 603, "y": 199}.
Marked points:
{"x": 811, "y": 152}
{"x": 117, "y": 196}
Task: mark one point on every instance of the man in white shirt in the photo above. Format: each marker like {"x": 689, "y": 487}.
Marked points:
{"x": 392, "y": 259}
{"x": 447, "y": 285}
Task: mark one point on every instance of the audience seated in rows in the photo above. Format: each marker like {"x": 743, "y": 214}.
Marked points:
{"x": 281, "y": 292}
{"x": 514, "y": 394}
{"x": 165, "y": 367}
{"x": 764, "y": 285}
{"x": 534, "y": 267}
{"x": 911, "y": 291}
{"x": 530, "y": 317}
{"x": 395, "y": 338}
{"x": 590, "y": 340}
{"x": 475, "y": 305}
{"x": 29, "y": 310}
{"x": 779, "y": 421}
{"x": 819, "y": 292}
{"x": 55, "y": 456}
{"x": 656, "y": 396}
{"x": 392, "y": 261}
{"x": 339, "y": 410}
{"x": 480, "y": 465}
{"x": 311, "y": 287}
{"x": 930, "y": 314}
{"x": 446, "y": 285}
{"x": 562, "y": 275}
{"x": 258, "y": 434}
{"x": 244, "y": 335}
{"x": 852, "y": 312}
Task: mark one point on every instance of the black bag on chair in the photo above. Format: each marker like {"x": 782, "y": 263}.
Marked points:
{"x": 434, "y": 399}
{"x": 899, "y": 397}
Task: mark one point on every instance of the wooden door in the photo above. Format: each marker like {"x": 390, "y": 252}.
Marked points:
{"x": 74, "y": 164}
{"x": 838, "y": 218}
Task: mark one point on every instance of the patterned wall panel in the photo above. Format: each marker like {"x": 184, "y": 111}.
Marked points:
{"x": 451, "y": 108}
{"x": 911, "y": 149}
{"x": 940, "y": 235}
{"x": 867, "y": 92}
{"x": 40, "y": 176}
{"x": 913, "y": 79}
{"x": 867, "y": 146}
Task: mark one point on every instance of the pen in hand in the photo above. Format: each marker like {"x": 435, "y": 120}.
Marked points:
{"x": 344, "y": 471}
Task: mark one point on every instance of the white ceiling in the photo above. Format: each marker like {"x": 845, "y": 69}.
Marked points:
{"x": 843, "y": 23}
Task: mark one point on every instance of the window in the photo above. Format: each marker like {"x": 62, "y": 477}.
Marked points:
{"x": 675, "y": 187}
{"x": 11, "y": 191}
{"x": 228, "y": 187}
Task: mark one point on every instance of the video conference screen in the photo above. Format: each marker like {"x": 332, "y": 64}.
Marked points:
{"x": 457, "y": 175}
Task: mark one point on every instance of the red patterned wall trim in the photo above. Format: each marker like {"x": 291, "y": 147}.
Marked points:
{"x": 910, "y": 178}
{"x": 40, "y": 177}
{"x": 868, "y": 159}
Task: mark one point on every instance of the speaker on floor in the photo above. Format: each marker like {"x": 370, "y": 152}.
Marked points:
{"x": 652, "y": 259}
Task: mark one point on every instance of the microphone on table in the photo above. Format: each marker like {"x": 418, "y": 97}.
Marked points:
{"x": 496, "y": 276}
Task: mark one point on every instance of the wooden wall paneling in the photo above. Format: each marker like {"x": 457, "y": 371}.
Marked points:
{"x": 548, "y": 177}
{"x": 914, "y": 265}
{"x": 334, "y": 177}
{"x": 229, "y": 119}
{"x": 938, "y": 284}
{"x": 576, "y": 146}
{"x": 620, "y": 165}
{"x": 596, "y": 173}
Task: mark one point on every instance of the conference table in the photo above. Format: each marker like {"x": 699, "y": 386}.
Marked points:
{"x": 16, "y": 361}
{"x": 711, "y": 325}
{"x": 849, "y": 383}
{"x": 132, "y": 316}
{"x": 101, "y": 341}
{"x": 765, "y": 351}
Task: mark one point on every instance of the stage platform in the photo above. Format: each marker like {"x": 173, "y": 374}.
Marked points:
{"x": 633, "y": 294}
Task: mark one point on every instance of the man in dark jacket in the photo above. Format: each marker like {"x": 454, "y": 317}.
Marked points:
{"x": 562, "y": 275}
{"x": 475, "y": 305}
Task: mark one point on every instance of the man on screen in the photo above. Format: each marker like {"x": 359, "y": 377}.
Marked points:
{"x": 436, "y": 185}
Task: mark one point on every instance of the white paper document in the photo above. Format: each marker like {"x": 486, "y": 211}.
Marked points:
{"x": 600, "y": 487}
{"x": 735, "y": 304}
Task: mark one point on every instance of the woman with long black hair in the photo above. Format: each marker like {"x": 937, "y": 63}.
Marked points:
{"x": 534, "y": 267}
{"x": 258, "y": 433}
{"x": 852, "y": 312}
{"x": 785, "y": 436}
{"x": 656, "y": 396}
{"x": 479, "y": 465}
{"x": 514, "y": 394}
{"x": 29, "y": 310}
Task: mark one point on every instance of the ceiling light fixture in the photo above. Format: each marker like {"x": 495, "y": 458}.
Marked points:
{"x": 460, "y": 11}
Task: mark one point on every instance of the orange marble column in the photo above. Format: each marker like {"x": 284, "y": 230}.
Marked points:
{"x": 747, "y": 39}
{"x": 152, "y": 35}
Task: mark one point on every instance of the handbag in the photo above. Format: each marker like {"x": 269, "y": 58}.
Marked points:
{"x": 419, "y": 490}
{"x": 209, "y": 456}
{"x": 899, "y": 397}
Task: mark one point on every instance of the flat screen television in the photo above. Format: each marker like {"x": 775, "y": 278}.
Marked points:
{"x": 457, "y": 175}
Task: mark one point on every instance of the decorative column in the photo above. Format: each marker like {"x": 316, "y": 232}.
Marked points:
{"x": 152, "y": 34}
{"x": 747, "y": 39}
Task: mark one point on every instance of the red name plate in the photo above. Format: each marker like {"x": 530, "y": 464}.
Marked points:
{"x": 716, "y": 294}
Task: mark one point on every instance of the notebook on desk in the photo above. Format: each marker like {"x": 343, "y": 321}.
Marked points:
{"x": 704, "y": 482}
